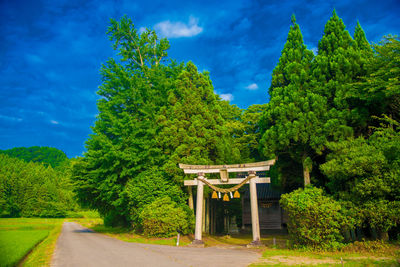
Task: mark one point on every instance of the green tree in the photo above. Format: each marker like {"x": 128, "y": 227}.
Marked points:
{"x": 151, "y": 114}
{"x": 123, "y": 143}
{"x": 366, "y": 172}
{"x": 340, "y": 62}
{"x": 33, "y": 190}
{"x": 380, "y": 88}
{"x": 192, "y": 127}
{"x": 249, "y": 134}
{"x": 293, "y": 121}
{"x": 146, "y": 187}
{"x": 46, "y": 155}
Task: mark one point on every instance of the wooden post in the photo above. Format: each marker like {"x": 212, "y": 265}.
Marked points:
{"x": 208, "y": 215}
{"x": 243, "y": 213}
{"x": 203, "y": 223}
{"x": 199, "y": 212}
{"x": 190, "y": 200}
{"x": 255, "y": 223}
{"x": 213, "y": 220}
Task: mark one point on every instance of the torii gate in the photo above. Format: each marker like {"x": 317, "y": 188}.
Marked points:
{"x": 224, "y": 170}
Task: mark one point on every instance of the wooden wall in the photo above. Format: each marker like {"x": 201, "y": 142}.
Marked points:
{"x": 269, "y": 212}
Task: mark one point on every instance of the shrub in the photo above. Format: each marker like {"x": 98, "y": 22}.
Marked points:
{"x": 145, "y": 188}
{"x": 164, "y": 218}
{"x": 315, "y": 220}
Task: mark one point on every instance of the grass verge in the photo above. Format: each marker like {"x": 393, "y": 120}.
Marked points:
{"x": 15, "y": 244}
{"x": 20, "y": 236}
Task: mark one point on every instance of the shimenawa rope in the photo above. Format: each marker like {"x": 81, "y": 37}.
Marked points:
{"x": 226, "y": 190}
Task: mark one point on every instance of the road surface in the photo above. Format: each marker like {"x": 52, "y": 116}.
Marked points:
{"x": 79, "y": 246}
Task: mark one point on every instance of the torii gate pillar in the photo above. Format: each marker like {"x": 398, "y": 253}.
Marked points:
{"x": 199, "y": 212}
{"x": 255, "y": 223}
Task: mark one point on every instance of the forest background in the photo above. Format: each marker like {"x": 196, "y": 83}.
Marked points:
{"x": 332, "y": 122}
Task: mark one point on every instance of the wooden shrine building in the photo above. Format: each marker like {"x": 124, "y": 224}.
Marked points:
{"x": 270, "y": 213}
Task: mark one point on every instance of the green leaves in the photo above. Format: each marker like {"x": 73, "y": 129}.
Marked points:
{"x": 33, "y": 190}
{"x": 293, "y": 120}
{"x": 163, "y": 218}
{"x": 49, "y": 156}
{"x": 137, "y": 49}
{"x": 150, "y": 114}
{"x": 315, "y": 220}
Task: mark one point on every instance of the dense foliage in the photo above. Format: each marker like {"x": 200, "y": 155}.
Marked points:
{"x": 323, "y": 122}
{"x": 153, "y": 114}
{"x": 33, "y": 190}
{"x": 46, "y": 155}
{"x": 366, "y": 173}
{"x": 333, "y": 121}
{"x": 315, "y": 219}
{"x": 293, "y": 120}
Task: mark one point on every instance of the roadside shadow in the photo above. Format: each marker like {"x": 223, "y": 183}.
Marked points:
{"x": 84, "y": 231}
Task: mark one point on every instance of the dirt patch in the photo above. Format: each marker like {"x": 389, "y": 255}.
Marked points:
{"x": 293, "y": 260}
{"x": 296, "y": 260}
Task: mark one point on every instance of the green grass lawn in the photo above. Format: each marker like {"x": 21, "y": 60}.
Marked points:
{"x": 15, "y": 244}
{"x": 18, "y": 236}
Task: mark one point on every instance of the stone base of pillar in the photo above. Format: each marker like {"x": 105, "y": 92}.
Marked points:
{"x": 197, "y": 243}
{"x": 255, "y": 244}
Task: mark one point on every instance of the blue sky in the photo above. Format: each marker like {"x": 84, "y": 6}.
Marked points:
{"x": 51, "y": 52}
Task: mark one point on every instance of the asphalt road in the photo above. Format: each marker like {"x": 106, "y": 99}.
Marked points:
{"x": 79, "y": 246}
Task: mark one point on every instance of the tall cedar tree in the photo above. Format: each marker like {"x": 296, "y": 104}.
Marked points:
{"x": 293, "y": 119}
{"x": 339, "y": 63}
{"x": 192, "y": 126}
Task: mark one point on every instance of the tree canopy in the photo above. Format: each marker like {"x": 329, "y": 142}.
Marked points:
{"x": 33, "y": 190}
{"x": 153, "y": 114}
{"x": 46, "y": 155}
{"x": 323, "y": 122}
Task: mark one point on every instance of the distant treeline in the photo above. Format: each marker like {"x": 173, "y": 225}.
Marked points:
{"x": 46, "y": 155}
{"x": 29, "y": 188}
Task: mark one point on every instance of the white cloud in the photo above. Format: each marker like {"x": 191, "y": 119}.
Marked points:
{"x": 252, "y": 86}
{"x": 178, "y": 29}
{"x": 228, "y": 97}
{"x": 54, "y": 122}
